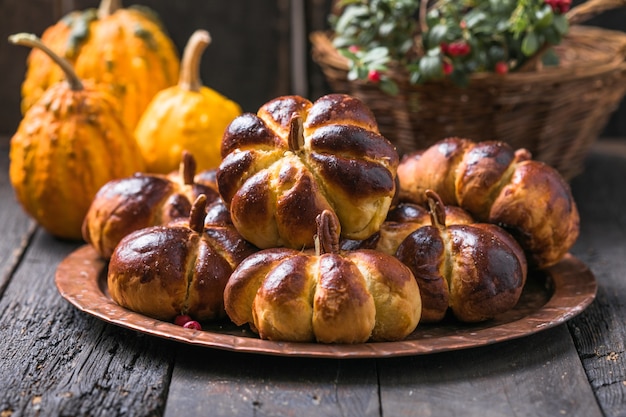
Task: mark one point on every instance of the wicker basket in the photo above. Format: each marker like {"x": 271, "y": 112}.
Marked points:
{"x": 554, "y": 112}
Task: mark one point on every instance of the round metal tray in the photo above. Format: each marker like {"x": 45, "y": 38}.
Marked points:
{"x": 550, "y": 298}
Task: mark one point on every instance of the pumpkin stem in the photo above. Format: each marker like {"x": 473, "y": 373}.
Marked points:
{"x": 437, "y": 209}
{"x": 198, "y": 214}
{"x": 327, "y": 238}
{"x": 108, "y": 7}
{"x": 190, "y": 66}
{"x": 296, "y": 133}
{"x": 187, "y": 168}
{"x": 32, "y": 41}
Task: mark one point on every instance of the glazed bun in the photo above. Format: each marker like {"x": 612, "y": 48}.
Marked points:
{"x": 128, "y": 204}
{"x": 294, "y": 159}
{"x": 176, "y": 269}
{"x": 476, "y": 271}
{"x": 329, "y": 296}
{"x": 403, "y": 220}
{"x": 498, "y": 185}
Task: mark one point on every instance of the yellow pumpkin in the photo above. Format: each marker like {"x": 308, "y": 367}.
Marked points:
{"x": 68, "y": 145}
{"x": 188, "y": 116}
{"x": 125, "y": 48}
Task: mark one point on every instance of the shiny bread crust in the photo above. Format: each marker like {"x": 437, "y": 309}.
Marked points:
{"x": 124, "y": 205}
{"x": 475, "y": 271}
{"x": 348, "y": 297}
{"x": 275, "y": 189}
{"x": 499, "y": 185}
{"x": 165, "y": 271}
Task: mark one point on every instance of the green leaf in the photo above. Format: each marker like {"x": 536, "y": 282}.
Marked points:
{"x": 431, "y": 67}
{"x": 544, "y": 17}
{"x": 349, "y": 15}
{"x": 437, "y": 34}
{"x": 385, "y": 29}
{"x": 474, "y": 18}
{"x": 550, "y": 58}
{"x": 348, "y": 54}
{"x": 379, "y": 54}
{"x": 362, "y": 71}
{"x": 389, "y": 86}
{"x": 552, "y": 36}
{"x": 530, "y": 44}
{"x": 561, "y": 24}
{"x": 353, "y": 74}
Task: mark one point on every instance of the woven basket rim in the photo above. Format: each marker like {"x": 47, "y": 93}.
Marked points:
{"x": 614, "y": 59}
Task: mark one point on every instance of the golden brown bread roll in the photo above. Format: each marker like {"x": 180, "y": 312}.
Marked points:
{"x": 403, "y": 220}
{"x": 329, "y": 296}
{"x": 124, "y": 205}
{"x": 294, "y": 159}
{"x": 476, "y": 271}
{"x": 177, "y": 269}
{"x": 498, "y": 185}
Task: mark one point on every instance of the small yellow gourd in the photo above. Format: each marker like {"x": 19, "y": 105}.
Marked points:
{"x": 69, "y": 144}
{"x": 188, "y": 116}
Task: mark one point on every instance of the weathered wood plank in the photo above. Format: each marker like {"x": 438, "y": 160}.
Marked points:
{"x": 600, "y": 332}
{"x": 58, "y": 361}
{"x": 229, "y": 384}
{"x": 17, "y": 228}
{"x": 539, "y": 375}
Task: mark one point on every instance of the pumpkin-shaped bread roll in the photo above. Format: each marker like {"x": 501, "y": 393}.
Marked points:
{"x": 498, "y": 185}
{"x": 127, "y": 204}
{"x": 329, "y": 296}
{"x": 177, "y": 269}
{"x": 403, "y": 220}
{"x": 294, "y": 159}
{"x": 476, "y": 271}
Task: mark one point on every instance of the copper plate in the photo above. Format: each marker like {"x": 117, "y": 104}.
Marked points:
{"x": 549, "y": 299}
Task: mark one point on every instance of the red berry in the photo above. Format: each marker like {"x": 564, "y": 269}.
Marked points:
{"x": 192, "y": 324}
{"x": 458, "y": 48}
{"x": 354, "y": 49}
{"x": 565, "y": 5}
{"x": 559, "y": 6}
{"x": 373, "y": 76}
{"x": 501, "y": 67}
{"x": 447, "y": 68}
{"x": 444, "y": 47}
{"x": 182, "y": 319}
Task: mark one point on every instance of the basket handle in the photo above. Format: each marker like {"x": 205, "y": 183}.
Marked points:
{"x": 591, "y": 8}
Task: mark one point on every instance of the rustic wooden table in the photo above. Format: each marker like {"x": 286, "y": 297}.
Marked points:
{"x": 57, "y": 360}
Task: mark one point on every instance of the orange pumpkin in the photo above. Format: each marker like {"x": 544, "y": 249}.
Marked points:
{"x": 125, "y": 48}
{"x": 68, "y": 145}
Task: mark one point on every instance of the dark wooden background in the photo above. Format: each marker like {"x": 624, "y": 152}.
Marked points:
{"x": 259, "y": 49}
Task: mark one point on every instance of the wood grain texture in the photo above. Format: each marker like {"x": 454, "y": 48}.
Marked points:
{"x": 600, "y": 332}
{"x": 230, "y": 384}
{"x": 535, "y": 376}
{"x": 17, "y": 228}
{"x": 59, "y": 361}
